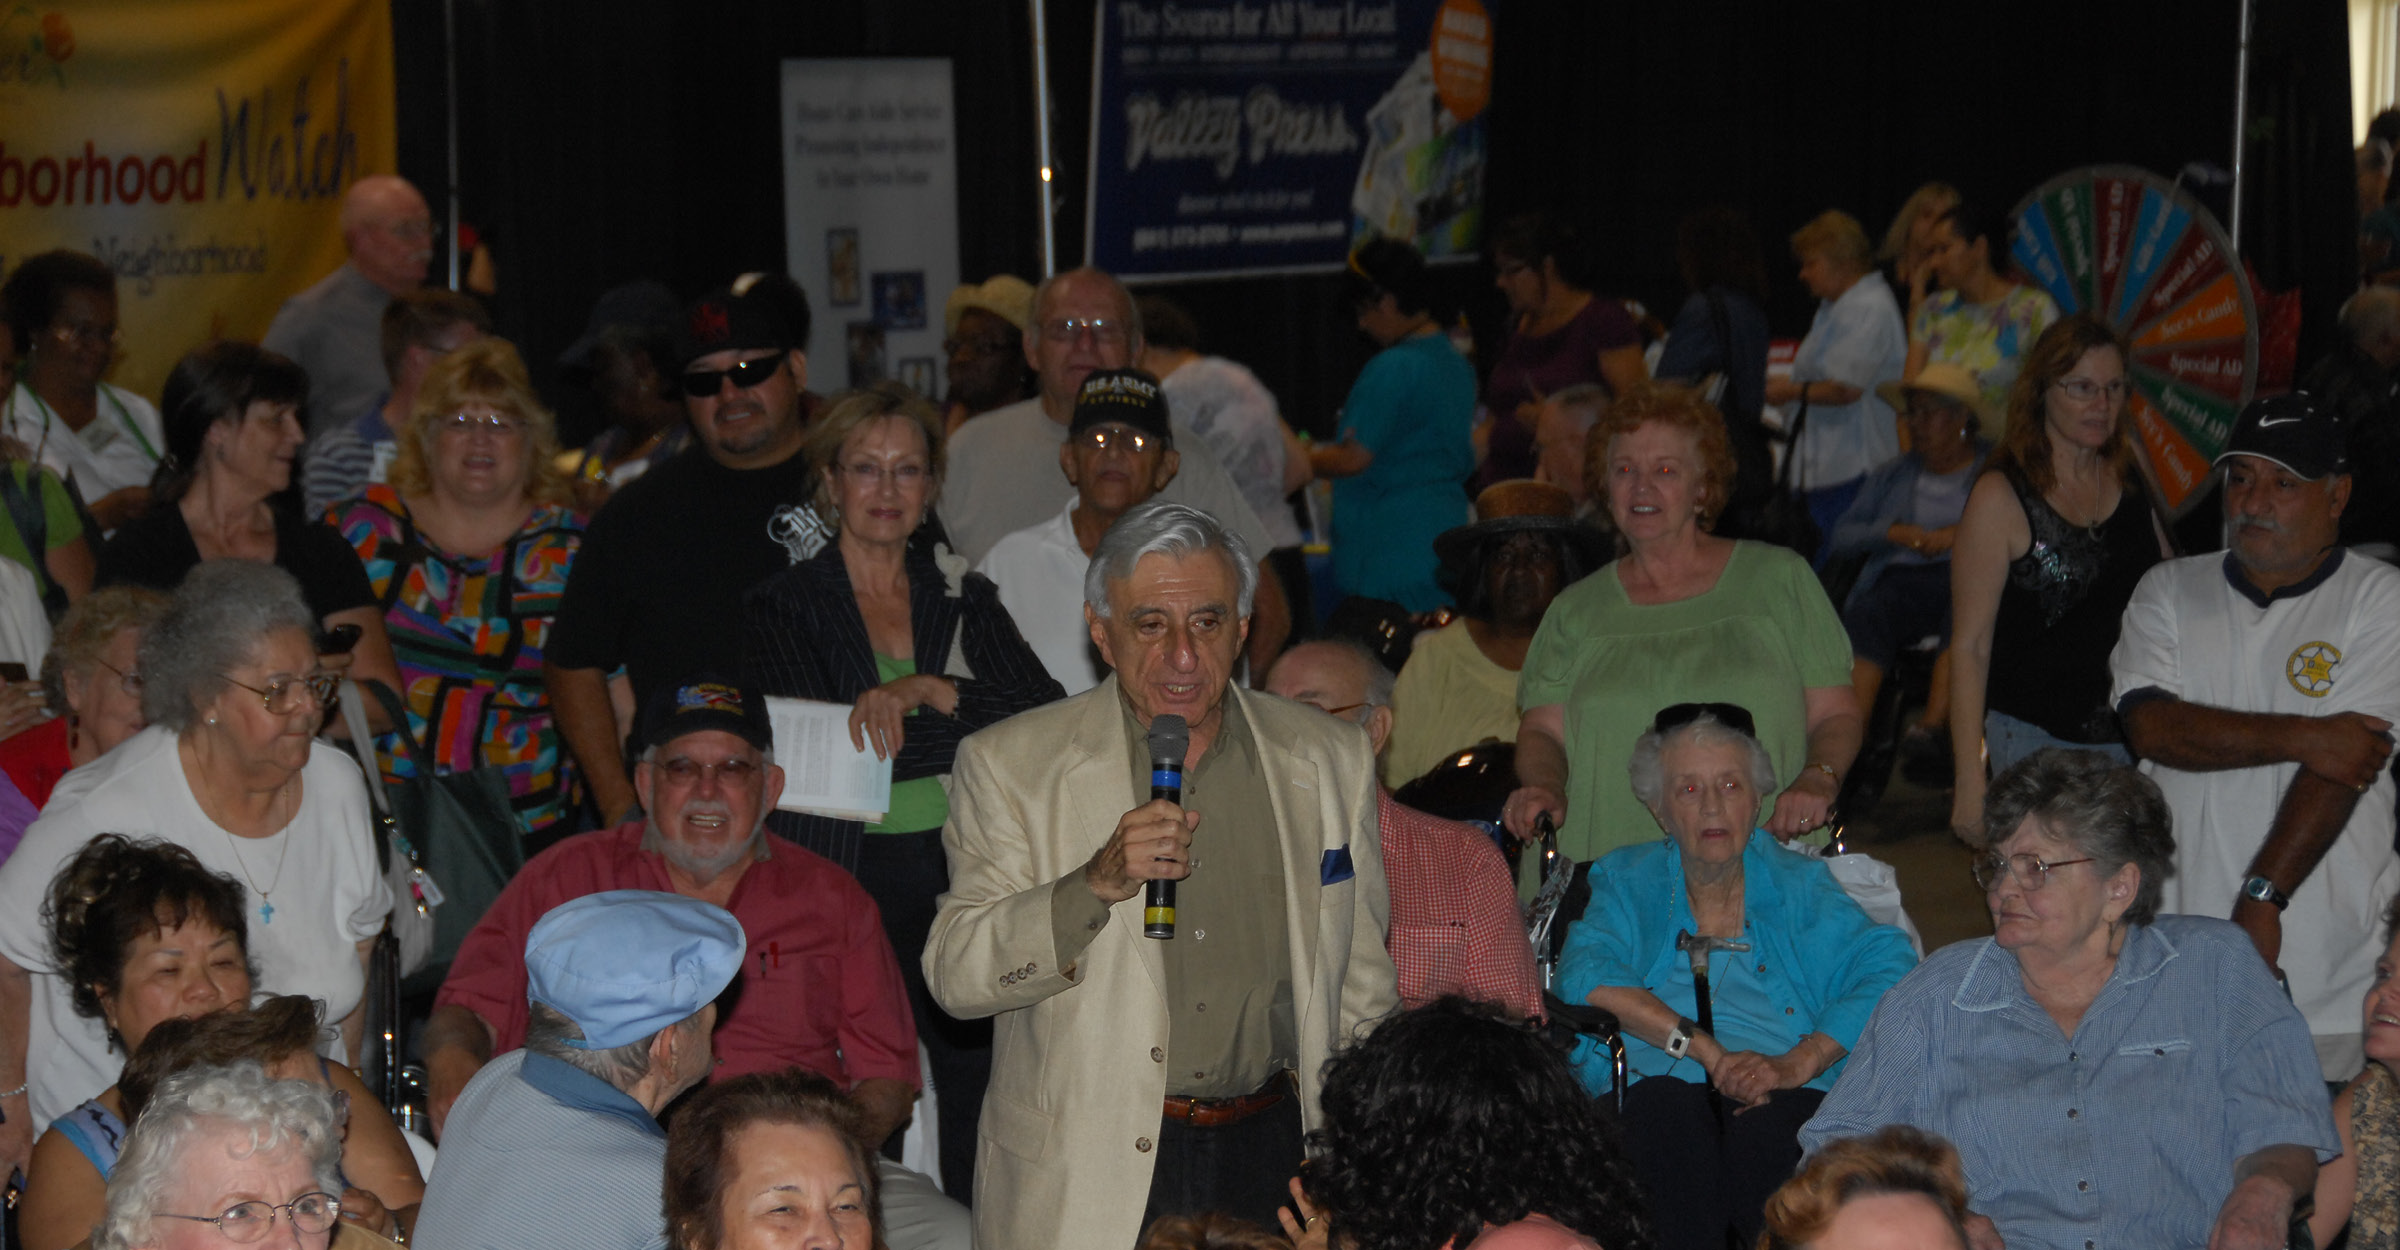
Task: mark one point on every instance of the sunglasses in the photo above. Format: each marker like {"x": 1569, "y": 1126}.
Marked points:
{"x": 703, "y": 383}
{"x": 1731, "y": 715}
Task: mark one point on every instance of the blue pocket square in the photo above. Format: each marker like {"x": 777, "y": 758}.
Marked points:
{"x": 1337, "y": 867}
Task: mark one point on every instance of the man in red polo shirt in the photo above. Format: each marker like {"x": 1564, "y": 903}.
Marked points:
{"x": 819, "y": 985}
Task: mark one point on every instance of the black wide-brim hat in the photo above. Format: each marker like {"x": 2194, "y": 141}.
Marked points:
{"x": 1518, "y": 506}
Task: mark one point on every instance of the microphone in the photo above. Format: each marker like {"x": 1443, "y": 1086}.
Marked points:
{"x": 1169, "y": 739}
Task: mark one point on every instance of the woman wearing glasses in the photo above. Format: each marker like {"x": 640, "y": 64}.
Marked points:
{"x": 2056, "y": 534}
{"x": 231, "y": 1156}
{"x": 921, "y": 650}
{"x": 1727, "y": 1070}
{"x": 232, "y": 433}
{"x": 230, "y": 770}
{"x": 2108, "y": 1074}
{"x": 92, "y": 682}
{"x": 104, "y": 440}
{"x": 467, "y": 546}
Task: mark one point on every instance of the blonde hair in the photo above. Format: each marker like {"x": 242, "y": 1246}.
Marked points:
{"x": 487, "y": 370}
{"x": 851, "y": 411}
{"x": 1896, "y": 1159}
{"x": 1838, "y": 237}
{"x": 1931, "y": 200}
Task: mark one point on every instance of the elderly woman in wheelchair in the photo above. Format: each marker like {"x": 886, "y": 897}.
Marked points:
{"x": 1740, "y": 971}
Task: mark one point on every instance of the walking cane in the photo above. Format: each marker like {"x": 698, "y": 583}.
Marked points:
{"x": 1700, "y": 948}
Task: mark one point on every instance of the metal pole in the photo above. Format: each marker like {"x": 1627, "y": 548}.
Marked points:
{"x": 450, "y": 81}
{"x": 1041, "y": 130}
{"x": 2241, "y": 128}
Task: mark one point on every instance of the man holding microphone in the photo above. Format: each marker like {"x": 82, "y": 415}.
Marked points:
{"x": 1135, "y": 1077}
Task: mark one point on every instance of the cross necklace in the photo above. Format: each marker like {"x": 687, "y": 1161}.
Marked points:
{"x": 266, "y": 895}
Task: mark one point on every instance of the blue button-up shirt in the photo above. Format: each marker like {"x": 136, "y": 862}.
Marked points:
{"x": 2122, "y": 1136}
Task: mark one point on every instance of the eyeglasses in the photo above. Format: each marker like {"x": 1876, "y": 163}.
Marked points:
{"x": 498, "y": 425}
{"x": 130, "y": 683}
{"x": 413, "y": 230}
{"x": 1118, "y": 438}
{"x": 703, "y": 383}
{"x": 1510, "y": 268}
{"x": 88, "y": 335}
{"x": 2031, "y": 871}
{"x": 733, "y": 772}
{"x": 283, "y": 694}
{"x": 992, "y": 346}
{"x": 868, "y": 473}
{"x": 1107, "y": 330}
{"x": 2084, "y": 390}
{"x": 1731, "y": 715}
{"x": 245, "y": 1222}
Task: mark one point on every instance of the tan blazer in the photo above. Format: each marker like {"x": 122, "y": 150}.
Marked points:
{"x": 1070, "y": 1124}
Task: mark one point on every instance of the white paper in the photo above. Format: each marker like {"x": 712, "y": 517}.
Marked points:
{"x": 823, "y": 775}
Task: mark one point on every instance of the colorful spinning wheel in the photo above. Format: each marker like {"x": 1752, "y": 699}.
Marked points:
{"x": 2154, "y": 262}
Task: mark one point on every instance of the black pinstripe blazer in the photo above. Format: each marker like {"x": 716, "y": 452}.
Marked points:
{"x": 804, "y": 637}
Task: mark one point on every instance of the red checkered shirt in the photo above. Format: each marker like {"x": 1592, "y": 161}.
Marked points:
{"x": 1455, "y": 924}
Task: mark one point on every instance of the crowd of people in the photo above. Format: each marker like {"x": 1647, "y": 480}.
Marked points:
{"x": 1149, "y": 945}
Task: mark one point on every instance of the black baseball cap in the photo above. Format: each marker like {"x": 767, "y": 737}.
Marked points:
{"x": 706, "y": 701}
{"x": 643, "y": 307}
{"x": 743, "y": 315}
{"x": 2294, "y": 431}
{"x": 1126, "y": 397}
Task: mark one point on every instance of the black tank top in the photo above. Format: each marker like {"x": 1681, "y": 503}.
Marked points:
{"x": 2059, "y": 613}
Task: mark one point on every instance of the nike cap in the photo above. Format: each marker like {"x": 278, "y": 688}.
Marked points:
{"x": 2294, "y": 431}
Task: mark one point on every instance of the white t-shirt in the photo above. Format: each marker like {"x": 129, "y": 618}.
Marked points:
{"x": 1004, "y": 477}
{"x": 1856, "y": 338}
{"x": 2190, "y": 632}
{"x": 1235, "y": 412}
{"x": 120, "y": 448}
{"x": 1039, "y": 571}
{"x": 319, "y": 875}
{"x": 24, "y": 626}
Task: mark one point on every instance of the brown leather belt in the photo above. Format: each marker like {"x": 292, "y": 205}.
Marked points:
{"x": 1218, "y": 1112}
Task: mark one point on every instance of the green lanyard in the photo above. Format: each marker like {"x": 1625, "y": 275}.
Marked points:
{"x": 124, "y": 418}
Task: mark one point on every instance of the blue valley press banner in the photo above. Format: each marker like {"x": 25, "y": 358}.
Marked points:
{"x": 199, "y": 147}
{"x": 1263, "y": 136}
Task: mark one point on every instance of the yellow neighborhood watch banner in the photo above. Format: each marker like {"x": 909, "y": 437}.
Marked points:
{"x": 199, "y": 147}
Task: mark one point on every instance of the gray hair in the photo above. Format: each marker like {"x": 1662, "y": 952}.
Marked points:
{"x": 188, "y": 1107}
{"x": 548, "y": 1031}
{"x": 1648, "y": 769}
{"x": 1133, "y": 311}
{"x": 1176, "y": 531}
{"x": 221, "y": 613}
{"x": 1588, "y": 401}
{"x": 2089, "y": 801}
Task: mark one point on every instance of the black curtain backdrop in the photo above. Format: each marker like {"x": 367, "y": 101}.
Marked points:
{"x": 607, "y": 140}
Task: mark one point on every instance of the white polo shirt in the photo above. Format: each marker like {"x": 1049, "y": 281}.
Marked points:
{"x": 120, "y": 448}
{"x": 1039, "y": 571}
{"x": 2326, "y": 645}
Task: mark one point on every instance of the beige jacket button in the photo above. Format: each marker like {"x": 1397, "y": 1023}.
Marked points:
{"x": 1142, "y": 1144}
{"x": 1158, "y": 1055}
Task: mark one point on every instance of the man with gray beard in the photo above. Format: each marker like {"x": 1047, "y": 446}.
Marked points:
{"x": 820, "y": 988}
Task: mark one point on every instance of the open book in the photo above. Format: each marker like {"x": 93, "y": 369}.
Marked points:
{"x": 823, "y": 775}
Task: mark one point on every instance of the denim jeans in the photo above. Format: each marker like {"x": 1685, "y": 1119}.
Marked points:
{"x": 2007, "y": 740}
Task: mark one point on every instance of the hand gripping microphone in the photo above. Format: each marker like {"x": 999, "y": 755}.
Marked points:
{"x": 1169, "y": 739}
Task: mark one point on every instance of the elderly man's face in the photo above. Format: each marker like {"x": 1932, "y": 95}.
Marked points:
{"x": 1110, "y": 472}
{"x": 1332, "y": 679}
{"x": 1066, "y": 345}
{"x": 218, "y": 1171}
{"x": 2281, "y": 522}
{"x": 706, "y": 793}
{"x": 1174, "y": 631}
{"x": 392, "y": 240}
{"x": 1561, "y": 433}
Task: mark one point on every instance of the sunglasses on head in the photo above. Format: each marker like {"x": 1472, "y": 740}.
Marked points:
{"x": 1731, "y": 715}
{"x": 702, "y": 383}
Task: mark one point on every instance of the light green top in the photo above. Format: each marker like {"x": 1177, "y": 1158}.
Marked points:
{"x": 920, "y": 804}
{"x": 1760, "y": 637}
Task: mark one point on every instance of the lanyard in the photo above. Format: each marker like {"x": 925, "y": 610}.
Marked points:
{"x": 124, "y": 418}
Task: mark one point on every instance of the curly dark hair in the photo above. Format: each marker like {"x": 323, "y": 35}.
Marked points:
{"x": 117, "y": 889}
{"x": 1451, "y": 1117}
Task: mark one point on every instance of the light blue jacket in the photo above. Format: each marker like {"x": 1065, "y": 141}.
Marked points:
{"x": 1820, "y": 953}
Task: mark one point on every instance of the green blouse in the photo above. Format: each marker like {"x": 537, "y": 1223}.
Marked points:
{"x": 916, "y": 805}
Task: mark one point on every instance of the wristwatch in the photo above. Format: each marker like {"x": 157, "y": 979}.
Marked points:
{"x": 2264, "y": 891}
{"x": 1679, "y": 1039}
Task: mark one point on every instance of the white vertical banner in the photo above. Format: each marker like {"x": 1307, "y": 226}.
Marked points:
{"x": 870, "y": 202}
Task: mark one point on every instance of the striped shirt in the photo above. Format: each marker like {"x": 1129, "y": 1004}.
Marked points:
{"x": 2124, "y": 1135}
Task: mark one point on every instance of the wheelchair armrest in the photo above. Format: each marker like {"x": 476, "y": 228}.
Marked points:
{"x": 1581, "y": 1018}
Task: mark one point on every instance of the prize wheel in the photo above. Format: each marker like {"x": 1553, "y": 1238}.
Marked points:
{"x": 2155, "y": 264}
